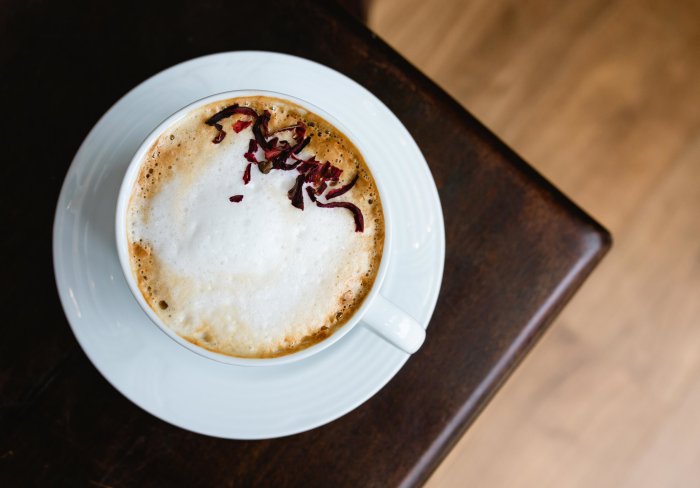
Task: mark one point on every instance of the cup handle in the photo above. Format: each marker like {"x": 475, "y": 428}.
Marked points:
{"x": 394, "y": 325}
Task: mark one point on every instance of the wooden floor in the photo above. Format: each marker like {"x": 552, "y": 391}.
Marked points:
{"x": 603, "y": 97}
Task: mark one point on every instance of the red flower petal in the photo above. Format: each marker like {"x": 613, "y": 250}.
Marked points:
{"x": 356, "y": 212}
{"x": 246, "y": 174}
{"x": 219, "y": 136}
{"x": 260, "y": 130}
{"x": 229, "y": 111}
{"x": 252, "y": 149}
{"x": 239, "y": 125}
{"x": 343, "y": 189}
{"x": 287, "y": 167}
{"x": 297, "y": 149}
{"x": 335, "y": 173}
{"x": 321, "y": 188}
{"x": 295, "y": 194}
{"x": 314, "y": 174}
{"x": 311, "y": 193}
{"x": 272, "y": 153}
{"x": 307, "y": 165}
{"x": 235, "y": 198}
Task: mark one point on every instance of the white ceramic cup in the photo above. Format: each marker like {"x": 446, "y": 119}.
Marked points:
{"x": 376, "y": 312}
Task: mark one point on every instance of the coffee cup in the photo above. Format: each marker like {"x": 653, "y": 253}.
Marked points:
{"x": 373, "y": 310}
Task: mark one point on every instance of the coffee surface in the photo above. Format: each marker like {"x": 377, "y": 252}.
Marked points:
{"x": 251, "y": 276}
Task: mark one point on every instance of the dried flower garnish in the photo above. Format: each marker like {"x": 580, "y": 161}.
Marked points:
{"x": 343, "y": 189}
{"x": 287, "y": 167}
{"x": 313, "y": 175}
{"x": 312, "y": 194}
{"x": 301, "y": 145}
{"x": 335, "y": 173}
{"x": 307, "y": 165}
{"x": 227, "y": 112}
{"x": 295, "y": 194}
{"x": 246, "y": 174}
{"x": 356, "y": 213}
{"x": 328, "y": 171}
{"x": 260, "y": 130}
{"x": 239, "y": 125}
{"x": 252, "y": 149}
{"x": 219, "y": 136}
{"x": 272, "y": 153}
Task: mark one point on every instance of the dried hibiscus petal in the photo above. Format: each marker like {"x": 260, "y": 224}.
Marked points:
{"x": 295, "y": 194}
{"x": 335, "y": 173}
{"x": 298, "y": 148}
{"x": 229, "y": 111}
{"x": 219, "y": 136}
{"x": 246, "y": 111}
{"x": 260, "y": 130}
{"x": 356, "y": 212}
{"x": 307, "y": 165}
{"x": 279, "y": 161}
{"x": 239, "y": 125}
{"x": 272, "y": 153}
{"x": 299, "y": 133}
{"x": 252, "y": 149}
{"x": 246, "y": 174}
{"x": 343, "y": 189}
{"x": 235, "y": 198}
{"x": 313, "y": 175}
{"x": 311, "y": 193}
{"x": 321, "y": 188}
{"x": 288, "y": 167}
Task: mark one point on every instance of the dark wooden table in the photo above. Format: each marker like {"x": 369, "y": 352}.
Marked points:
{"x": 517, "y": 249}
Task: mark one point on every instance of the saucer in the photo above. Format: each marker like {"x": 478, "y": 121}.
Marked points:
{"x": 186, "y": 389}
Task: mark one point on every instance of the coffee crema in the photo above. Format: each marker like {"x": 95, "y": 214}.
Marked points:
{"x": 238, "y": 268}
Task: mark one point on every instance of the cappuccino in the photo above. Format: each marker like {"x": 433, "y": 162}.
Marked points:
{"x": 255, "y": 227}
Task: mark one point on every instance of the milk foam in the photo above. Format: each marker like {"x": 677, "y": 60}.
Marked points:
{"x": 249, "y": 278}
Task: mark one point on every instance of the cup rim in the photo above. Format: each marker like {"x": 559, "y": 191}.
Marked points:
{"x": 124, "y": 195}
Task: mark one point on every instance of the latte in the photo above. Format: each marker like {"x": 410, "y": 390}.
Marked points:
{"x": 255, "y": 228}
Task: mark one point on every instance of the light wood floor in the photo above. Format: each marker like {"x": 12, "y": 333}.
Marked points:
{"x": 603, "y": 97}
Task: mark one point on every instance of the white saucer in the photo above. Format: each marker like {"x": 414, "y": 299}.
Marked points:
{"x": 171, "y": 382}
